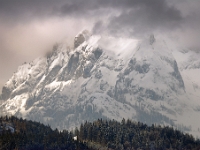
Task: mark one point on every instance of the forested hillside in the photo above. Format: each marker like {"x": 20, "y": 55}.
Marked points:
{"x": 29, "y": 135}
{"x": 21, "y": 134}
{"x": 135, "y": 135}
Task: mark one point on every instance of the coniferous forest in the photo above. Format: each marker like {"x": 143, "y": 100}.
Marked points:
{"x": 131, "y": 135}
{"x": 29, "y": 135}
{"x": 20, "y": 134}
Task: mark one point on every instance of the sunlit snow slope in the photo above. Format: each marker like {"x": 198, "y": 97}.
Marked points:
{"x": 107, "y": 77}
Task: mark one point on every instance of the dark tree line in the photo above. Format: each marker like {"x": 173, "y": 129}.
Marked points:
{"x": 30, "y": 135}
{"x": 131, "y": 135}
{"x": 100, "y": 134}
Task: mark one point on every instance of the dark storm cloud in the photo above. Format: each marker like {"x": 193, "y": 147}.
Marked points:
{"x": 137, "y": 14}
{"x": 133, "y": 15}
{"x": 28, "y": 27}
{"x": 142, "y": 16}
{"x": 25, "y": 9}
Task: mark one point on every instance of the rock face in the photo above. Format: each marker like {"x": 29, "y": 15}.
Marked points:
{"x": 79, "y": 39}
{"x": 102, "y": 77}
{"x": 5, "y": 93}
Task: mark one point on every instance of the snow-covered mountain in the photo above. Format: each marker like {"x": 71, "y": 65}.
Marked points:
{"x": 107, "y": 77}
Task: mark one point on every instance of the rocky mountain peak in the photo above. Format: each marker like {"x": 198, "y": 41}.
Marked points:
{"x": 81, "y": 37}
{"x": 101, "y": 78}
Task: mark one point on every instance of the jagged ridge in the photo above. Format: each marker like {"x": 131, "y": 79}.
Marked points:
{"x": 102, "y": 77}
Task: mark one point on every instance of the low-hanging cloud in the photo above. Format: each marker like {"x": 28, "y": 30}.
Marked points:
{"x": 146, "y": 18}
{"x": 30, "y": 27}
{"x": 26, "y": 9}
{"x": 131, "y": 15}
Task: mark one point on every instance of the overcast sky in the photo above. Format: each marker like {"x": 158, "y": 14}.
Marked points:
{"x": 29, "y": 28}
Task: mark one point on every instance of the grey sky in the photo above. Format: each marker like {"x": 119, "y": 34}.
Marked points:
{"x": 29, "y": 28}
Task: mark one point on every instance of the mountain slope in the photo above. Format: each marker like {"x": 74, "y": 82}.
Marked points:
{"x": 105, "y": 77}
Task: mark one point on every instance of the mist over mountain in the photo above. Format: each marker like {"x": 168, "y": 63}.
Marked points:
{"x": 30, "y": 28}
{"x": 148, "y": 80}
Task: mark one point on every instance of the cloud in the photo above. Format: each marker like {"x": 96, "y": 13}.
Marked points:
{"x": 141, "y": 16}
{"x": 25, "y": 42}
{"x": 30, "y": 27}
{"x": 117, "y": 17}
{"x": 132, "y": 16}
{"x": 22, "y": 11}
{"x": 26, "y": 9}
